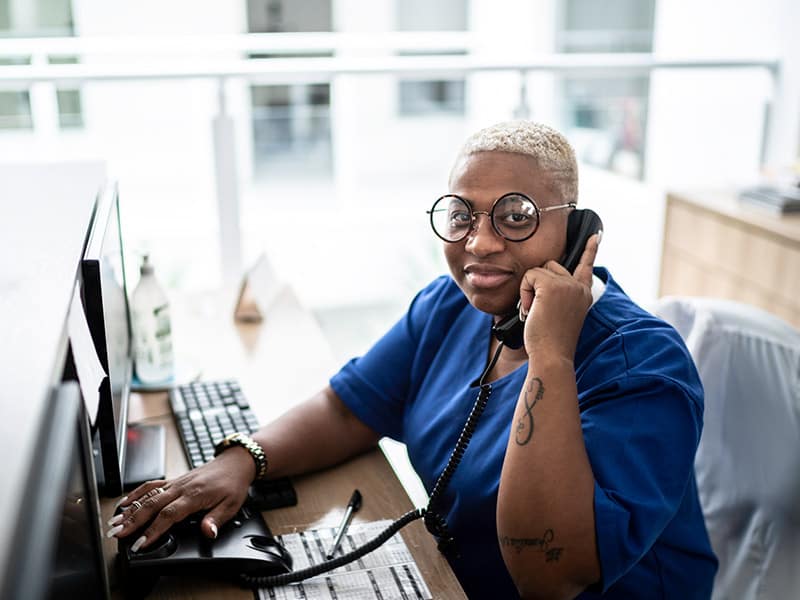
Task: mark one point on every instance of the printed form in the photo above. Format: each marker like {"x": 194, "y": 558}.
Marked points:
{"x": 387, "y": 573}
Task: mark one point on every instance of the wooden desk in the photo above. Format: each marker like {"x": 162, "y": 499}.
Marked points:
{"x": 263, "y": 358}
{"x": 715, "y": 245}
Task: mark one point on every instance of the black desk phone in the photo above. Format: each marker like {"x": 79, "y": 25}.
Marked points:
{"x": 244, "y": 547}
{"x": 581, "y": 225}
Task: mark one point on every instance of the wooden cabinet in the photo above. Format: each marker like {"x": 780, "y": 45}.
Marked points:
{"x": 715, "y": 245}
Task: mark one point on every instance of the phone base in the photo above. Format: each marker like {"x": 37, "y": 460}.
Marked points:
{"x": 244, "y": 546}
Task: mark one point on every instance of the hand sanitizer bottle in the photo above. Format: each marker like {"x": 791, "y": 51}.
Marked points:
{"x": 152, "y": 331}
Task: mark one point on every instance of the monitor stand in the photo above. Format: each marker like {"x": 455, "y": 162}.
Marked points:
{"x": 145, "y": 455}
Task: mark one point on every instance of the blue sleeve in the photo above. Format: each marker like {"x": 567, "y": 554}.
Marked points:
{"x": 377, "y": 386}
{"x": 641, "y": 431}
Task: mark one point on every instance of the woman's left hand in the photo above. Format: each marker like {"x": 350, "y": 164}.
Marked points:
{"x": 554, "y": 304}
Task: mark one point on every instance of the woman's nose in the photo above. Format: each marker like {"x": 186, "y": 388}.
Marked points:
{"x": 483, "y": 239}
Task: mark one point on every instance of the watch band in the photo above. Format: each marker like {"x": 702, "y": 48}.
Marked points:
{"x": 249, "y": 444}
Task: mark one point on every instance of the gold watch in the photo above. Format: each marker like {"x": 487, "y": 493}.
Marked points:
{"x": 249, "y": 444}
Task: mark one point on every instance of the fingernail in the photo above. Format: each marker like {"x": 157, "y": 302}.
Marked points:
{"x": 114, "y": 531}
{"x": 120, "y": 502}
{"x": 115, "y": 519}
{"x": 599, "y": 236}
{"x": 214, "y": 531}
{"x": 138, "y": 544}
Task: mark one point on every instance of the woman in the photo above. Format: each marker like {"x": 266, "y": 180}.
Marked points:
{"x": 578, "y": 480}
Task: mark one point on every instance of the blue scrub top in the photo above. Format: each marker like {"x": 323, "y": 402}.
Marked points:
{"x": 641, "y": 405}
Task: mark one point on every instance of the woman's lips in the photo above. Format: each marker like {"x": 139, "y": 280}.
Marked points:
{"x": 487, "y": 278}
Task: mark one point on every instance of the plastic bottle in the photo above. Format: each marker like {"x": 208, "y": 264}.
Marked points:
{"x": 152, "y": 330}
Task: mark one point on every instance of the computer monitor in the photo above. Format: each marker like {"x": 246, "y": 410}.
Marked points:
{"x": 57, "y": 543}
{"x": 127, "y": 456}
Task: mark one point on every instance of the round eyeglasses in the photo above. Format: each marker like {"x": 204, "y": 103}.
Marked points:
{"x": 514, "y": 216}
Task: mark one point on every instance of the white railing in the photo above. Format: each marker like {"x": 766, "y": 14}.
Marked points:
{"x": 432, "y": 55}
{"x": 323, "y": 69}
{"x": 251, "y": 43}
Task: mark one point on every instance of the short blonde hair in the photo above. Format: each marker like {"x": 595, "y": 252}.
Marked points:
{"x": 551, "y": 151}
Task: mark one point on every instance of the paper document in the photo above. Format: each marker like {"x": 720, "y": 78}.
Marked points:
{"x": 387, "y": 573}
{"x": 87, "y": 364}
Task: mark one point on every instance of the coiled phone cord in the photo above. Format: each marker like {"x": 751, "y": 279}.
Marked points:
{"x": 435, "y": 523}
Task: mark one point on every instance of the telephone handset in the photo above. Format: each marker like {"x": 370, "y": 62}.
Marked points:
{"x": 581, "y": 225}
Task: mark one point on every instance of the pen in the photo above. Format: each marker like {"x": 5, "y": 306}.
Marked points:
{"x": 352, "y": 507}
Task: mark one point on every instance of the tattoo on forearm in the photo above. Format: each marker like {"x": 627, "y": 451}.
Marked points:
{"x": 540, "y": 544}
{"x": 525, "y": 423}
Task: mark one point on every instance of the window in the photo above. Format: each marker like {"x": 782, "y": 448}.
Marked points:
{"x": 291, "y": 123}
{"x": 70, "y": 114}
{"x": 15, "y": 106}
{"x": 606, "y": 117}
{"x": 15, "y": 110}
{"x": 610, "y": 26}
{"x": 288, "y": 15}
{"x": 431, "y": 97}
{"x": 37, "y": 18}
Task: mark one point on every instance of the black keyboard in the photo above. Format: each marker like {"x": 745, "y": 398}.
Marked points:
{"x": 207, "y": 411}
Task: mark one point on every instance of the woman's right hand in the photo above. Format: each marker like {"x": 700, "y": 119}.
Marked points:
{"x": 219, "y": 487}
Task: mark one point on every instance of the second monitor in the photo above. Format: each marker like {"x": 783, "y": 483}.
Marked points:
{"x": 126, "y": 455}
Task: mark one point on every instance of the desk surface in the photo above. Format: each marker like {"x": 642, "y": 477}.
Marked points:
{"x": 726, "y": 203}
{"x": 279, "y": 363}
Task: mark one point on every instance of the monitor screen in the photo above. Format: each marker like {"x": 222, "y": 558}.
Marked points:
{"x": 105, "y": 301}
{"x": 58, "y": 542}
{"x": 125, "y": 456}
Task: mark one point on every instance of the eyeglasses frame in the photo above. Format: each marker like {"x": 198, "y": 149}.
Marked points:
{"x": 490, "y": 213}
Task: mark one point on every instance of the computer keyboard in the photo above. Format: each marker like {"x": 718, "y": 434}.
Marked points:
{"x": 207, "y": 411}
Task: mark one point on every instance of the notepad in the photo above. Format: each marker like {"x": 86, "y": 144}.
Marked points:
{"x": 388, "y": 573}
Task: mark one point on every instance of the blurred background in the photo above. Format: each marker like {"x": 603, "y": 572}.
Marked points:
{"x": 319, "y": 131}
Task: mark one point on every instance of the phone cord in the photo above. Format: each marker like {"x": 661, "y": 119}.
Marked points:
{"x": 434, "y": 522}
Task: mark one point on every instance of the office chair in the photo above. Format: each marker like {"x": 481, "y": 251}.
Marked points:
{"x": 748, "y": 462}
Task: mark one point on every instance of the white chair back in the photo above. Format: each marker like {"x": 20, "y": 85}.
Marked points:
{"x": 748, "y": 461}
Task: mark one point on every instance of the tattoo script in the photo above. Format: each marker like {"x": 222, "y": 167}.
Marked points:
{"x": 540, "y": 544}
{"x": 525, "y": 423}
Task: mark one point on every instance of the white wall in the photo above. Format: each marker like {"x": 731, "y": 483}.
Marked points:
{"x": 704, "y": 127}
{"x": 503, "y": 28}
{"x": 784, "y": 133}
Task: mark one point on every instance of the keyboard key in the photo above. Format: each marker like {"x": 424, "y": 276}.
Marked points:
{"x": 178, "y": 405}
